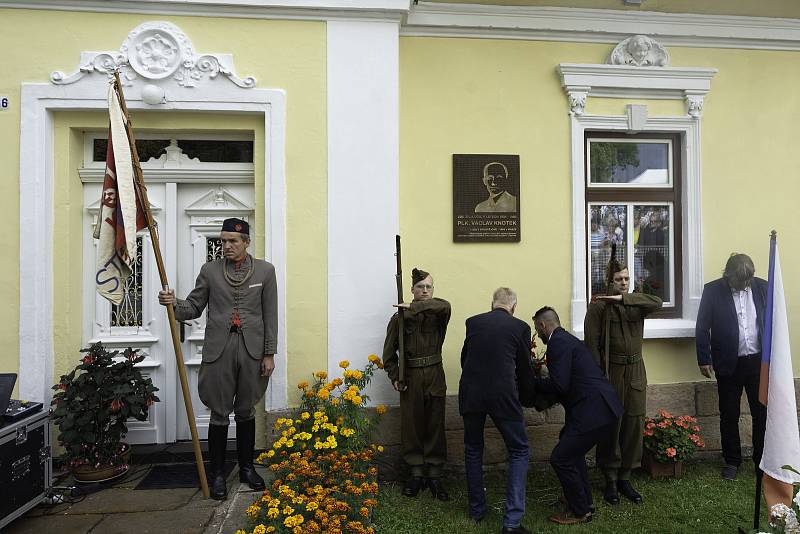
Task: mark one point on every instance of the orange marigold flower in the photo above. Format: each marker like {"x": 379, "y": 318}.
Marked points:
{"x": 302, "y": 385}
{"x": 344, "y": 364}
{"x": 322, "y": 375}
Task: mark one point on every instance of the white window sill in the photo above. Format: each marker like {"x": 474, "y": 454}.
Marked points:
{"x": 659, "y": 329}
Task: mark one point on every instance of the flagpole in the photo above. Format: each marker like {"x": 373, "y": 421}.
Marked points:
{"x": 773, "y": 237}
{"x": 173, "y": 327}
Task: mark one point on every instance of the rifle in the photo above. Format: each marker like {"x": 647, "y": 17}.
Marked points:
{"x": 401, "y": 360}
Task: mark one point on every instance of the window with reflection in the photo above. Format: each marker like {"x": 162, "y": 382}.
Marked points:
{"x": 633, "y": 202}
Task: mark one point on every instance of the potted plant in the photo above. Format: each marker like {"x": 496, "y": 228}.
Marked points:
{"x": 668, "y": 441}
{"x": 92, "y": 406}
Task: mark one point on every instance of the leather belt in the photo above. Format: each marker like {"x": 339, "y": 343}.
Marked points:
{"x": 625, "y": 359}
{"x": 424, "y": 361}
{"x": 751, "y": 356}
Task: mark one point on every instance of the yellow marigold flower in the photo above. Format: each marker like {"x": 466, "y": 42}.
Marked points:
{"x": 347, "y": 432}
{"x": 322, "y": 375}
{"x": 311, "y": 506}
{"x": 364, "y": 511}
{"x": 348, "y": 373}
{"x": 302, "y": 385}
{"x": 344, "y": 364}
{"x": 323, "y": 394}
{"x": 272, "y": 513}
{"x": 337, "y": 382}
{"x": 260, "y": 529}
{"x": 357, "y": 374}
{"x": 304, "y": 416}
{"x": 288, "y": 510}
{"x": 270, "y": 530}
{"x": 373, "y": 358}
{"x": 356, "y": 400}
{"x": 380, "y": 409}
{"x": 380, "y": 448}
{"x": 309, "y": 394}
{"x": 335, "y": 401}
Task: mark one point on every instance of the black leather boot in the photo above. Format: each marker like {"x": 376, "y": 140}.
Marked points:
{"x": 245, "y": 443}
{"x": 217, "y": 443}
{"x": 611, "y": 495}
{"x": 413, "y": 485}
{"x": 438, "y": 490}
{"x": 625, "y": 488}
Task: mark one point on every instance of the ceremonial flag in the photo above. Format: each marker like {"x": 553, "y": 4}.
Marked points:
{"x": 781, "y": 440}
{"x": 121, "y": 214}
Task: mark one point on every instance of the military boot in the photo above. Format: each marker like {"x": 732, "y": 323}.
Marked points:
{"x": 245, "y": 443}
{"x": 217, "y": 443}
{"x": 611, "y": 494}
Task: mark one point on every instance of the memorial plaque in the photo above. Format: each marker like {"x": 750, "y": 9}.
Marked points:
{"x": 485, "y": 198}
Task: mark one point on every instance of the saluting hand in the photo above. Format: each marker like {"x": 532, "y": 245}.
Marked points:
{"x": 166, "y": 298}
{"x": 617, "y": 298}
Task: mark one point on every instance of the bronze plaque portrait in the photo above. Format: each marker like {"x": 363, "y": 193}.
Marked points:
{"x": 485, "y": 198}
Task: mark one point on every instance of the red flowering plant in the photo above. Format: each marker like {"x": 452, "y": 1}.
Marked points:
{"x": 672, "y": 438}
{"x": 94, "y": 401}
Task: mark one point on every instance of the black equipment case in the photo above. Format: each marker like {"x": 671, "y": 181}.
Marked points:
{"x": 25, "y": 464}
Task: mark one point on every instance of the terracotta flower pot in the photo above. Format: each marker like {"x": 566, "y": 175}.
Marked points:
{"x": 86, "y": 473}
{"x": 659, "y": 469}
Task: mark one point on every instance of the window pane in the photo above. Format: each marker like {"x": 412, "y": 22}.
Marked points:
{"x": 652, "y": 258}
{"x": 129, "y": 311}
{"x": 213, "y": 248}
{"x": 624, "y": 163}
{"x": 146, "y": 148}
{"x": 607, "y": 225}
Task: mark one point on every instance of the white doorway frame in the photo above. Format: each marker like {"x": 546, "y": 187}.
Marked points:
{"x": 39, "y": 103}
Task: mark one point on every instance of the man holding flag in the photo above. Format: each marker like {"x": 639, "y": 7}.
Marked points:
{"x": 729, "y": 331}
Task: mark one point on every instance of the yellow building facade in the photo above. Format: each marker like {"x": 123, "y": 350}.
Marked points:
{"x": 352, "y": 112}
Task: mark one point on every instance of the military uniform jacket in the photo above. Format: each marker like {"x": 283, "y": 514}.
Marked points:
{"x": 617, "y": 329}
{"x": 425, "y": 324}
{"x": 258, "y": 308}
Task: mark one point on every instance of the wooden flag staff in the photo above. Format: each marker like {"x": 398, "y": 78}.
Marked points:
{"x": 173, "y": 327}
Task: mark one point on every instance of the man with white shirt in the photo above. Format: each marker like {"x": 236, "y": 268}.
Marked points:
{"x": 728, "y": 334}
{"x": 496, "y": 181}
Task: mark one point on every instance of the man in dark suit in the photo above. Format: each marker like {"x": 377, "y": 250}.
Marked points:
{"x": 495, "y": 364}
{"x": 728, "y": 332}
{"x": 591, "y": 408}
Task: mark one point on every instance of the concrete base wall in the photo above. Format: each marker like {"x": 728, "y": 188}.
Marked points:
{"x": 698, "y": 399}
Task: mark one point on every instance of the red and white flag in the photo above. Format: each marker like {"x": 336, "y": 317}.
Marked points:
{"x": 121, "y": 214}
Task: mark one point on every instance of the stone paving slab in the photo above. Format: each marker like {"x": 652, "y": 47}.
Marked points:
{"x": 118, "y": 501}
{"x": 185, "y": 521}
{"x": 63, "y": 524}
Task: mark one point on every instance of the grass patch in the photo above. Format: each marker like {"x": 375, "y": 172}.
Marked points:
{"x": 701, "y": 502}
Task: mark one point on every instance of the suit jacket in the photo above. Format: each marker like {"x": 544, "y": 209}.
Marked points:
{"x": 717, "y": 327}
{"x": 258, "y": 308}
{"x": 588, "y": 398}
{"x": 495, "y": 363}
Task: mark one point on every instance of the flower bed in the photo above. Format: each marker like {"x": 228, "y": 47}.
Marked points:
{"x": 672, "y": 438}
{"x": 324, "y": 480}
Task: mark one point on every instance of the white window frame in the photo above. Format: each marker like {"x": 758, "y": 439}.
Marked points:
{"x": 691, "y": 227}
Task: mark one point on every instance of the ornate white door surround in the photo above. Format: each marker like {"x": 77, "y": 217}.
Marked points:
{"x": 161, "y": 71}
{"x": 637, "y": 69}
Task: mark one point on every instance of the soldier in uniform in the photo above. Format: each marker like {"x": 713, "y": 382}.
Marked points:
{"x": 613, "y": 330}
{"x": 239, "y": 346}
{"x": 423, "y": 391}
